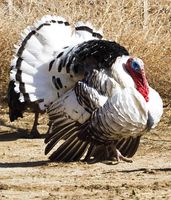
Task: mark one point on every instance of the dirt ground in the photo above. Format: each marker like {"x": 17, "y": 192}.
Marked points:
{"x": 26, "y": 173}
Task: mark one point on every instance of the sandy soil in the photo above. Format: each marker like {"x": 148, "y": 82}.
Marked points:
{"x": 26, "y": 173}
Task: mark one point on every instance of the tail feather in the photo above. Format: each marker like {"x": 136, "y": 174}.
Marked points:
{"x": 16, "y": 108}
{"x": 40, "y": 44}
{"x": 25, "y": 98}
{"x": 54, "y": 31}
{"x": 24, "y": 88}
{"x": 23, "y": 66}
{"x": 20, "y": 76}
{"x": 86, "y": 31}
{"x": 29, "y": 57}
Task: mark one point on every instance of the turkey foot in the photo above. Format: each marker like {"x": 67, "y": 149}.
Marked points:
{"x": 114, "y": 154}
{"x": 107, "y": 154}
{"x": 120, "y": 157}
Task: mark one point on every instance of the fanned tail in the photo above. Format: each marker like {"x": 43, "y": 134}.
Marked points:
{"x": 39, "y": 45}
{"x": 34, "y": 56}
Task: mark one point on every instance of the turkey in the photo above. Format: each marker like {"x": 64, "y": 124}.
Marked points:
{"x": 50, "y": 58}
{"x": 104, "y": 115}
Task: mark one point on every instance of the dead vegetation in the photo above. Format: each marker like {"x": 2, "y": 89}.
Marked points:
{"x": 143, "y": 27}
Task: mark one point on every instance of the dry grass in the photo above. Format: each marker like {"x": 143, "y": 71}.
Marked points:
{"x": 146, "y": 35}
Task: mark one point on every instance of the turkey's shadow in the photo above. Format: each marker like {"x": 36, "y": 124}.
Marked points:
{"x": 20, "y": 133}
{"x": 24, "y": 164}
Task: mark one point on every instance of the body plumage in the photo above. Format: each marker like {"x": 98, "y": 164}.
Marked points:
{"x": 103, "y": 111}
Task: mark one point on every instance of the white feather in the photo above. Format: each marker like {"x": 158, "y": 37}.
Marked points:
{"x": 47, "y": 38}
{"x": 25, "y": 67}
{"x": 82, "y": 35}
{"x": 155, "y": 106}
{"x": 119, "y": 73}
{"x": 28, "y": 88}
{"x": 32, "y": 96}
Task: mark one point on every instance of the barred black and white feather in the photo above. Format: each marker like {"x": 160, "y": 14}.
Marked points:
{"x": 101, "y": 112}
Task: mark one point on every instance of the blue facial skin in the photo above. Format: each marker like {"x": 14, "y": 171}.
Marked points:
{"x": 135, "y": 66}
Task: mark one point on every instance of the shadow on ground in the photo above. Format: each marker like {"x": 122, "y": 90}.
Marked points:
{"x": 20, "y": 133}
{"x": 24, "y": 164}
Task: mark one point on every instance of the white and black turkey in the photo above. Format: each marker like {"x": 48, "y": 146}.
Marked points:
{"x": 50, "y": 58}
{"x": 104, "y": 115}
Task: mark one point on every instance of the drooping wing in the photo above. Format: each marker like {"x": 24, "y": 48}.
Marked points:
{"x": 67, "y": 115}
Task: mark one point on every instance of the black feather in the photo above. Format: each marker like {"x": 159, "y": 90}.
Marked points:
{"x": 89, "y": 152}
{"x": 53, "y": 138}
{"x": 126, "y": 144}
{"x": 16, "y": 108}
{"x": 133, "y": 147}
{"x": 97, "y": 54}
{"x": 79, "y": 152}
{"x": 129, "y": 146}
{"x": 56, "y": 155}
